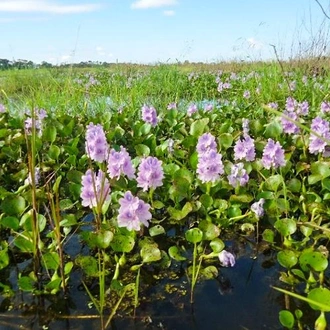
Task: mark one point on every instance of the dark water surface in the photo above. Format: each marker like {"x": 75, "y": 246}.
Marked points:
{"x": 239, "y": 298}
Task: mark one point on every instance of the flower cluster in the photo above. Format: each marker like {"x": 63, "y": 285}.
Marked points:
{"x": 325, "y": 107}
{"x": 96, "y": 144}
{"x": 2, "y": 108}
{"x": 120, "y": 163}
{"x": 34, "y": 121}
{"x": 209, "y": 167}
{"x": 245, "y": 149}
{"x": 149, "y": 115}
{"x": 293, "y": 110}
{"x": 150, "y": 173}
{"x": 320, "y": 127}
{"x": 95, "y": 189}
{"x": 238, "y": 175}
{"x": 273, "y": 155}
{"x": 171, "y": 106}
{"x": 133, "y": 212}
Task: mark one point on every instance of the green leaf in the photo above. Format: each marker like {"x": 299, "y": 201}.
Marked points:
{"x": 54, "y": 152}
{"x": 122, "y": 243}
{"x": 156, "y": 230}
{"x": 74, "y": 176}
{"x": 320, "y": 170}
{"x": 88, "y": 264}
{"x": 287, "y": 258}
{"x": 4, "y": 258}
{"x": 286, "y": 318}
{"x": 273, "y": 130}
{"x": 321, "y": 296}
{"x": 285, "y": 227}
{"x": 268, "y": 235}
{"x": 210, "y": 230}
{"x": 10, "y": 222}
{"x": 150, "y": 253}
{"x": 180, "y": 214}
{"x": 13, "y": 205}
{"x": 226, "y": 140}
{"x": 51, "y": 260}
{"x": 142, "y": 150}
{"x": 26, "y": 283}
{"x": 217, "y": 245}
{"x": 294, "y": 185}
{"x": 197, "y": 128}
{"x": 313, "y": 259}
{"x": 49, "y": 133}
{"x": 209, "y": 272}
{"x": 176, "y": 254}
{"x": 273, "y": 182}
{"x": 24, "y": 242}
{"x": 194, "y": 235}
{"x": 206, "y": 200}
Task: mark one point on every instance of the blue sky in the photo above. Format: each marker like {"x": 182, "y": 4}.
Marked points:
{"x": 149, "y": 31}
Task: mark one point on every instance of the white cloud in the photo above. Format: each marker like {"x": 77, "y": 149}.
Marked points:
{"x": 45, "y": 6}
{"x": 169, "y": 12}
{"x": 144, "y": 4}
{"x": 65, "y": 58}
{"x": 100, "y": 50}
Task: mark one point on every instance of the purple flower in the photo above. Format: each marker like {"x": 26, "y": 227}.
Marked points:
{"x": 290, "y": 104}
{"x": 2, "y": 108}
{"x": 133, "y": 212}
{"x": 96, "y": 145}
{"x": 245, "y": 149}
{"x": 325, "y": 107}
{"x": 34, "y": 121}
{"x": 192, "y": 109}
{"x": 293, "y": 85}
{"x": 206, "y": 142}
{"x": 208, "y": 107}
{"x": 246, "y": 94}
{"x": 171, "y": 106}
{"x": 273, "y": 105}
{"x": 95, "y": 189}
{"x": 273, "y": 155}
{"x": 321, "y": 127}
{"x": 302, "y": 108}
{"x": 150, "y": 173}
{"x": 226, "y": 259}
{"x": 238, "y": 175}
{"x": 288, "y": 126}
{"x": 209, "y": 167}
{"x": 119, "y": 162}
{"x": 149, "y": 115}
{"x": 257, "y": 208}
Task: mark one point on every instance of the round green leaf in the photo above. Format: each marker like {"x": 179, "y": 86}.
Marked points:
{"x": 217, "y": 245}
{"x": 322, "y": 296}
{"x": 210, "y": 230}
{"x": 150, "y": 253}
{"x": 313, "y": 259}
{"x": 287, "y": 258}
{"x": 285, "y": 227}
{"x": 194, "y": 235}
{"x": 156, "y": 230}
{"x": 122, "y": 243}
{"x": 13, "y": 205}
{"x": 286, "y": 318}
{"x": 175, "y": 253}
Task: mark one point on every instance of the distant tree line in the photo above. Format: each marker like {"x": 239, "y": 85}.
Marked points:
{"x": 25, "y": 64}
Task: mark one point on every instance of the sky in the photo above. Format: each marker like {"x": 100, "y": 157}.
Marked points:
{"x": 153, "y": 31}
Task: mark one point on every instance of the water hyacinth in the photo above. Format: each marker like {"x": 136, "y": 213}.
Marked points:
{"x": 209, "y": 166}
{"x": 150, "y": 173}
{"x": 273, "y": 155}
{"x": 245, "y": 149}
{"x": 258, "y": 208}
{"x": 171, "y": 106}
{"x": 226, "y": 259}
{"x": 238, "y": 176}
{"x": 192, "y": 108}
{"x": 28, "y": 180}
{"x": 206, "y": 143}
{"x": 321, "y": 127}
{"x": 96, "y": 145}
{"x": 149, "y": 115}
{"x": 120, "y": 163}
{"x": 246, "y": 94}
{"x": 133, "y": 212}
{"x": 2, "y": 108}
{"x": 288, "y": 126}
{"x": 34, "y": 121}
{"x": 325, "y": 107}
{"x": 95, "y": 189}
